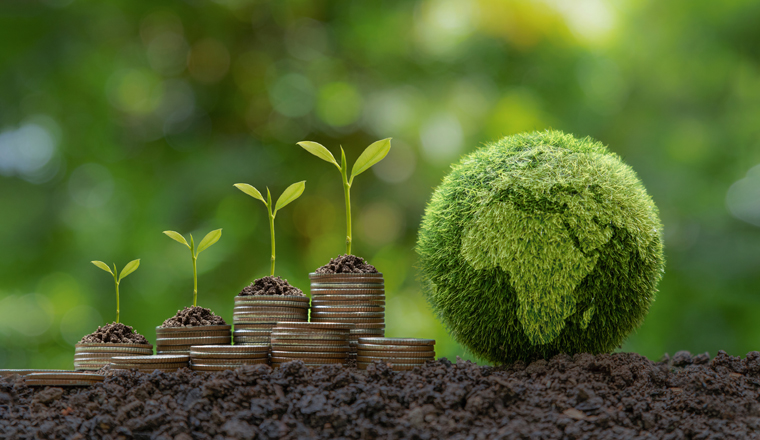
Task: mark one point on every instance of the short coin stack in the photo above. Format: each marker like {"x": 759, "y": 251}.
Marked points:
{"x": 255, "y": 315}
{"x": 178, "y": 340}
{"x": 94, "y": 356}
{"x": 311, "y": 342}
{"x": 62, "y": 379}
{"x": 356, "y": 298}
{"x": 400, "y": 353}
{"x": 166, "y": 363}
{"x": 227, "y": 357}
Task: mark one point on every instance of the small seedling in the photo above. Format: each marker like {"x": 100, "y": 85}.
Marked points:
{"x": 370, "y": 156}
{"x": 293, "y": 192}
{"x": 210, "y": 238}
{"x": 128, "y": 269}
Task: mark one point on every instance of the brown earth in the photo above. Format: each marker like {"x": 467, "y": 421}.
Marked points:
{"x": 271, "y": 285}
{"x": 617, "y": 396}
{"x": 347, "y": 264}
{"x": 114, "y": 333}
{"x": 193, "y": 317}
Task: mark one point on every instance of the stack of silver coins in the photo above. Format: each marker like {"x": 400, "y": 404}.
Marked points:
{"x": 255, "y": 315}
{"x": 93, "y": 356}
{"x": 178, "y": 340}
{"x": 354, "y": 298}
{"x": 400, "y": 353}
{"x": 227, "y": 357}
{"x": 313, "y": 343}
{"x": 166, "y": 363}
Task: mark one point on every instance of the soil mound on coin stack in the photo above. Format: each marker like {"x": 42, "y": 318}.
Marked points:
{"x": 115, "y": 333}
{"x": 271, "y": 285}
{"x": 347, "y": 264}
{"x": 193, "y": 317}
{"x": 609, "y": 396}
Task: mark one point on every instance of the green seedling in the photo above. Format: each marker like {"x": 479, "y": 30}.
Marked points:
{"x": 370, "y": 156}
{"x": 290, "y": 194}
{"x": 128, "y": 269}
{"x": 210, "y": 238}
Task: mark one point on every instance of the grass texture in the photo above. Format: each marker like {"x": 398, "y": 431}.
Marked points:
{"x": 539, "y": 244}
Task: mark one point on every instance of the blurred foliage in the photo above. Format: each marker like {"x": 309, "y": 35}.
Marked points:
{"x": 119, "y": 120}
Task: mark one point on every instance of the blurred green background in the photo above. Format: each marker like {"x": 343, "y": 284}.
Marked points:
{"x": 121, "y": 119}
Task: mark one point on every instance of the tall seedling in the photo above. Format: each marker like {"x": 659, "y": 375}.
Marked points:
{"x": 372, "y": 155}
{"x": 293, "y": 192}
{"x": 210, "y": 238}
{"x": 128, "y": 269}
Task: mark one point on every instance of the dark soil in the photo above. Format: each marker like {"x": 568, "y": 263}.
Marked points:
{"x": 347, "y": 264}
{"x": 271, "y": 285}
{"x": 193, "y": 317}
{"x": 114, "y": 333}
{"x": 618, "y": 396}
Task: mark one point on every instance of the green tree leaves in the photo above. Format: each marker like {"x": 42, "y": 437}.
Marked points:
{"x": 251, "y": 191}
{"x": 129, "y": 268}
{"x": 176, "y": 236}
{"x": 103, "y": 266}
{"x": 210, "y": 238}
{"x": 370, "y": 156}
{"x": 290, "y": 194}
{"x": 319, "y": 151}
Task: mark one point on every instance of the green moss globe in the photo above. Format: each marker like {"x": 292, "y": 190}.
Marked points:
{"x": 540, "y": 244}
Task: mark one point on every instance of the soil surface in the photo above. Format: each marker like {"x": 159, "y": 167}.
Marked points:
{"x": 617, "y": 396}
{"x": 271, "y": 285}
{"x": 114, "y": 333}
{"x": 347, "y": 264}
{"x": 193, "y": 317}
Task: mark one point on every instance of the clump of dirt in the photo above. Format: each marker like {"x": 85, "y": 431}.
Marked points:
{"x": 193, "y": 317}
{"x": 621, "y": 395}
{"x": 271, "y": 285}
{"x": 347, "y": 264}
{"x": 114, "y": 333}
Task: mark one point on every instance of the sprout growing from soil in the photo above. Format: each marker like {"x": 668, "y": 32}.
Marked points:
{"x": 370, "y": 156}
{"x": 290, "y": 194}
{"x": 117, "y": 277}
{"x": 210, "y": 238}
{"x": 540, "y": 244}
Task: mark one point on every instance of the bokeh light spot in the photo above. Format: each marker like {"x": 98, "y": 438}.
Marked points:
{"x": 79, "y": 321}
{"x": 91, "y": 185}
{"x": 441, "y": 138}
{"x": 209, "y": 61}
{"x": 292, "y": 95}
{"x": 399, "y": 165}
{"x": 135, "y": 91}
{"x": 339, "y": 104}
{"x": 30, "y": 314}
{"x": 381, "y": 223}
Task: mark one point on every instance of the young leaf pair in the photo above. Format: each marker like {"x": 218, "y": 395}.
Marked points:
{"x": 290, "y": 194}
{"x": 117, "y": 277}
{"x": 210, "y": 238}
{"x": 370, "y": 156}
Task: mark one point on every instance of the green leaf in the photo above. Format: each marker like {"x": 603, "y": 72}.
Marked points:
{"x": 129, "y": 268}
{"x": 210, "y": 238}
{"x": 251, "y": 191}
{"x": 372, "y": 155}
{"x": 343, "y": 163}
{"x": 320, "y": 151}
{"x": 176, "y": 236}
{"x": 103, "y": 266}
{"x": 293, "y": 192}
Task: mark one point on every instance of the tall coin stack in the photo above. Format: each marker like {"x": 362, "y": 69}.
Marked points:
{"x": 178, "y": 340}
{"x": 355, "y": 298}
{"x": 313, "y": 343}
{"x": 254, "y": 316}
{"x": 401, "y": 353}
{"x": 227, "y": 357}
{"x": 91, "y": 356}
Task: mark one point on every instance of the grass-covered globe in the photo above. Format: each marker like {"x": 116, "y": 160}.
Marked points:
{"x": 540, "y": 244}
